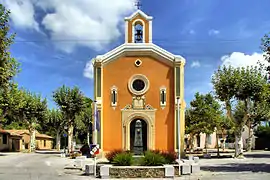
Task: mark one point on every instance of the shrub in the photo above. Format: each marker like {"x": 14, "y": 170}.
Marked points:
{"x": 152, "y": 159}
{"x": 170, "y": 156}
{"x": 156, "y": 151}
{"x": 123, "y": 159}
{"x": 110, "y": 156}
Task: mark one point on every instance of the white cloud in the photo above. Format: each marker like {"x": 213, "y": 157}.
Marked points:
{"x": 195, "y": 64}
{"x": 88, "y": 70}
{"x": 72, "y": 23}
{"x": 213, "y": 32}
{"x": 22, "y": 13}
{"x": 89, "y": 23}
{"x": 239, "y": 59}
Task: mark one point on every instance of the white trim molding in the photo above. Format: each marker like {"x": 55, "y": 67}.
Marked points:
{"x": 139, "y": 64}
{"x": 141, "y": 77}
{"x": 126, "y": 32}
{"x": 163, "y": 90}
{"x": 150, "y": 31}
{"x": 114, "y": 93}
{"x": 139, "y": 12}
{"x": 148, "y": 49}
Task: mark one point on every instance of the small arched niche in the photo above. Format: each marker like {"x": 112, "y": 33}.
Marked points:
{"x": 138, "y": 31}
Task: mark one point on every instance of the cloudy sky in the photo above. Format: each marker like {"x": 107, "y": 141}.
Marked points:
{"x": 57, "y": 38}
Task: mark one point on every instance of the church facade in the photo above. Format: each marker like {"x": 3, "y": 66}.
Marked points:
{"x": 139, "y": 80}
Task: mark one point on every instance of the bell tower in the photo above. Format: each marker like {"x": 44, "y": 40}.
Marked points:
{"x": 138, "y": 27}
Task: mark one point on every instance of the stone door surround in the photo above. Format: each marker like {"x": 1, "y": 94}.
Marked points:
{"x": 148, "y": 115}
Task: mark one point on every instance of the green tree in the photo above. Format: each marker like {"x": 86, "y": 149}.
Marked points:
{"x": 265, "y": 46}
{"x": 71, "y": 103}
{"x": 241, "y": 84}
{"x": 55, "y": 124}
{"x": 259, "y": 110}
{"x": 32, "y": 112}
{"x": 203, "y": 115}
{"x": 223, "y": 126}
{"x": 85, "y": 118}
{"x": 10, "y": 102}
{"x": 8, "y": 65}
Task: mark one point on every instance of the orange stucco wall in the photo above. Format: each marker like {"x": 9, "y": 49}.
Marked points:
{"x": 146, "y": 28}
{"x": 118, "y": 73}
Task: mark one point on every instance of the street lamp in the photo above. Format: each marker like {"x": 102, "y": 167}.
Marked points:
{"x": 179, "y": 133}
{"x": 65, "y": 136}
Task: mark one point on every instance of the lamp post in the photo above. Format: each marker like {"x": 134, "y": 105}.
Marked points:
{"x": 179, "y": 133}
{"x": 65, "y": 136}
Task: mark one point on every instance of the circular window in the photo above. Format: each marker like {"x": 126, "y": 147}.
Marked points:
{"x": 138, "y": 84}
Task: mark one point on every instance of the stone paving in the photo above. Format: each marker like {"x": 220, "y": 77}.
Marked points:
{"x": 22, "y": 166}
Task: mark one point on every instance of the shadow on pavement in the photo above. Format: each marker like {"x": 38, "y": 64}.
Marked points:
{"x": 257, "y": 155}
{"x": 232, "y": 167}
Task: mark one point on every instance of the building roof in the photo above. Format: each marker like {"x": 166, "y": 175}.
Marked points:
{"x": 139, "y": 49}
{"x": 133, "y": 49}
{"x": 20, "y": 132}
{"x": 139, "y": 12}
{"x": 44, "y": 136}
{"x": 2, "y": 131}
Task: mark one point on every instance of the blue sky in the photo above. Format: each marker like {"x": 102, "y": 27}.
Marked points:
{"x": 55, "y": 39}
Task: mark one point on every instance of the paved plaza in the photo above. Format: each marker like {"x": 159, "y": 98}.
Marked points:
{"x": 22, "y": 166}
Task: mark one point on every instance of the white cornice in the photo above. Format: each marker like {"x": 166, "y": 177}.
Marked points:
{"x": 138, "y": 12}
{"x": 133, "y": 48}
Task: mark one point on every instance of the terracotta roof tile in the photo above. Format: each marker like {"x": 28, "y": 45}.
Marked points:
{"x": 24, "y": 131}
{"x": 2, "y": 131}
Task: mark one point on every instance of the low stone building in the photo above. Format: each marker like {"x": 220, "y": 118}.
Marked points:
{"x": 10, "y": 141}
{"x": 18, "y": 140}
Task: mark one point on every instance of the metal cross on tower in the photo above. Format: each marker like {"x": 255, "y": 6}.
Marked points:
{"x": 138, "y": 4}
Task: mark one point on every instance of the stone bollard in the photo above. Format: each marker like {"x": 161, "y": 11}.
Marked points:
{"x": 169, "y": 171}
{"x": 186, "y": 169}
{"x": 196, "y": 159}
{"x": 89, "y": 169}
{"x": 195, "y": 168}
{"x": 105, "y": 171}
{"x": 190, "y": 161}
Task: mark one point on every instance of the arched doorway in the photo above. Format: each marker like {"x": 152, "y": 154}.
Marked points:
{"x": 144, "y": 134}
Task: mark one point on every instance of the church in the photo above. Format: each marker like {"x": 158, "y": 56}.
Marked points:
{"x": 139, "y": 81}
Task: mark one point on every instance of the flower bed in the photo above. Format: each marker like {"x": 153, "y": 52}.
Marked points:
{"x": 137, "y": 172}
{"x": 122, "y": 164}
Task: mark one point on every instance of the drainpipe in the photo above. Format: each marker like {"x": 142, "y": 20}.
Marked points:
{"x": 179, "y": 133}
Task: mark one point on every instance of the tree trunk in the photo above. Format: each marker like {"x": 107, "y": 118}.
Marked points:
{"x": 206, "y": 143}
{"x": 32, "y": 133}
{"x": 190, "y": 143}
{"x": 58, "y": 140}
{"x": 218, "y": 154}
{"x": 239, "y": 131}
{"x": 70, "y": 138}
{"x": 238, "y": 145}
{"x": 250, "y": 138}
{"x": 223, "y": 139}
